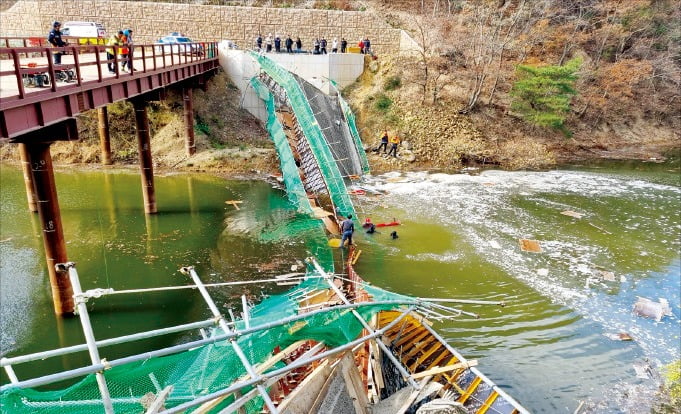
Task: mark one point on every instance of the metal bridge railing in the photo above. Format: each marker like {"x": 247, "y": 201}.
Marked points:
{"x": 30, "y": 70}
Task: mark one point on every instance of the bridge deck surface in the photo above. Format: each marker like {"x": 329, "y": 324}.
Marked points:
{"x": 88, "y": 73}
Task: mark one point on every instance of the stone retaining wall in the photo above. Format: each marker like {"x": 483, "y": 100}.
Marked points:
{"x": 151, "y": 21}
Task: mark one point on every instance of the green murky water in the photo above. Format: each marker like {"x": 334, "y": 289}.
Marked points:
{"x": 549, "y": 347}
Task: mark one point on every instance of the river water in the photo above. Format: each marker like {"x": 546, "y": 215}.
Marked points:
{"x": 551, "y": 347}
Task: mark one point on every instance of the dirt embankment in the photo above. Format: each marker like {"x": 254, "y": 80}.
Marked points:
{"x": 439, "y": 136}
{"x": 228, "y": 139}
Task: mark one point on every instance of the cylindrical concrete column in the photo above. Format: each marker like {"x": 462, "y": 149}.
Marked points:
{"x": 144, "y": 148}
{"x": 28, "y": 178}
{"x": 104, "y": 138}
{"x": 187, "y": 98}
{"x": 50, "y": 220}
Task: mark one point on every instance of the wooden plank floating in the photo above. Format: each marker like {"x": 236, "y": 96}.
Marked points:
{"x": 571, "y": 213}
{"x": 529, "y": 245}
{"x": 235, "y": 203}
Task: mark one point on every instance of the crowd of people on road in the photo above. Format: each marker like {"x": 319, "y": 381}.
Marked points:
{"x": 319, "y": 46}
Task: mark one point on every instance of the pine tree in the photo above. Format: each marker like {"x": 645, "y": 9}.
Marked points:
{"x": 542, "y": 94}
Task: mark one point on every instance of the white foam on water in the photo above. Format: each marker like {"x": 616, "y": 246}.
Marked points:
{"x": 482, "y": 207}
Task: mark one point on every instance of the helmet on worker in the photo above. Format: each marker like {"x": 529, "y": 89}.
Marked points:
{"x": 56, "y": 24}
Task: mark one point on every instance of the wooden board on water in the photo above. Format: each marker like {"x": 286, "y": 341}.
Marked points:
{"x": 572, "y": 214}
{"x": 529, "y": 245}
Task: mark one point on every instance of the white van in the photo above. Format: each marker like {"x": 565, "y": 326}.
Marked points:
{"x": 83, "y": 29}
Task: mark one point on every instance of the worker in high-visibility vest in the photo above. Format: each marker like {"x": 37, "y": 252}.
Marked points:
{"x": 114, "y": 41}
{"x": 394, "y": 141}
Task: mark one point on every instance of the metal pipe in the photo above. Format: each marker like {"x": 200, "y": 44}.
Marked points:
{"x": 47, "y": 379}
{"x": 290, "y": 367}
{"x": 144, "y": 148}
{"x": 11, "y": 374}
{"x": 237, "y": 349}
{"x": 104, "y": 137}
{"x": 499, "y": 391}
{"x": 50, "y": 219}
{"x": 160, "y": 289}
{"x": 246, "y": 317}
{"x": 366, "y": 326}
{"x": 4, "y": 362}
{"x": 475, "y": 302}
{"x": 187, "y": 99}
{"x": 454, "y": 310}
{"x": 239, "y": 402}
{"x": 87, "y": 331}
{"x": 28, "y": 178}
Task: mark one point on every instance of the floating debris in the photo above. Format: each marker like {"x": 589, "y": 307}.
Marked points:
{"x": 235, "y": 203}
{"x": 543, "y": 272}
{"x": 621, "y": 336}
{"x": 609, "y": 276}
{"x": 494, "y": 244}
{"x": 571, "y": 213}
{"x": 651, "y": 309}
{"x": 529, "y": 245}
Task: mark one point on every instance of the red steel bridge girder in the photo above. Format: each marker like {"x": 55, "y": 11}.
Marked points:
{"x": 33, "y": 111}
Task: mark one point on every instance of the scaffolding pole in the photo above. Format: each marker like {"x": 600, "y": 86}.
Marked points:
{"x": 388, "y": 353}
{"x": 81, "y": 307}
{"x": 297, "y": 364}
{"x": 237, "y": 349}
{"x": 77, "y": 372}
{"x": 8, "y": 362}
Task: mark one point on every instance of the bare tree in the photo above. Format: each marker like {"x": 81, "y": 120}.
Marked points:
{"x": 494, "y": 30}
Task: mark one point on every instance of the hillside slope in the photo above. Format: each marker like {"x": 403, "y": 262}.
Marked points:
{"x": 453, "y": 100}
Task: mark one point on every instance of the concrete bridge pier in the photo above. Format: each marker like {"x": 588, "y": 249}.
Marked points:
{"x": 40, "y": 160}
{"x": 187, "y": 98}
{"x": 104, "y": 138}
{"x": 28, "y": 178}
{"x": 144, "y": 148}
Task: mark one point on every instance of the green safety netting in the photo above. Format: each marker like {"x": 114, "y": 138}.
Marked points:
{"x": 208, "y": 368}
{"x": 305, "y": 117}
{"x": 307, "y": 228}
{"x": 350, "y": 117}
{"x": 289, "y": 170}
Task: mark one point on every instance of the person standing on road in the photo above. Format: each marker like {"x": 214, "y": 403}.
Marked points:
{"x": 289, "y": 44}
{"x": 268, "y": 43}
{"x": 299, "y": 45}
{"x": 334, "y": 46}
{"x": 347, "y": 228}
{"x": 124, "y": 52}
{"x": 322, "y": 45}
{"x": 258, "y": 42}
{"x": 277, "y": 44}
{"x": 344, "y": 45}
{"x": 54, "y": 38}
{"x": 128, "y": 36}
{"x": 114, "y": 42}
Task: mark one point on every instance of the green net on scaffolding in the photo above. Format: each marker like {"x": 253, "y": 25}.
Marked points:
{"x": 289, "y": 169}
{"x": 301, "y": 227}
{"x": 208, "y": 368}
{"x": 350, "y": 117}
{"x": 306, "y": 119}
